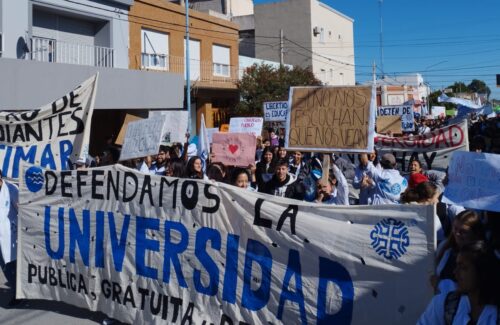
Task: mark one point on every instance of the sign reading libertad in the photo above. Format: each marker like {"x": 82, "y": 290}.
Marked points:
{"x": 331, "y": 118}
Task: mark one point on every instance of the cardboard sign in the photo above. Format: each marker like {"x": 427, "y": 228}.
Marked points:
{"x": 386, "y": 124}
{"x": 234, "y": 149}
{"x": 252, "y": 125}
{"x": 121, "y": 135}
{"x": 275, "y": 111}
{"x": 473, "y": 181}
{"x": 331, "y": 119}
{"x": 406, "y": 113}
{"x": 146, "y": 249}
{"x": 53, "y": 136}
{"x": 143, "y": 138}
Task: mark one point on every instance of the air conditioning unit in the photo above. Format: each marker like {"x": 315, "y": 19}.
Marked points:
{"x": 316, "y": 31}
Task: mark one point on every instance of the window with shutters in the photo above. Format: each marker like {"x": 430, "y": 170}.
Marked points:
{"x": 221, "y": 60}
{"x": 154, "y": 50}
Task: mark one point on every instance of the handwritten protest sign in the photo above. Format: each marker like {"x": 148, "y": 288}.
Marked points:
{"x": 252, "y": 125}
{"x": 331, "y": 118}
{"x": 474, "y": 181}
{"x": 146, "y": 249}
{"x": 275, "y": 111}
{"x": 210, "y": 133}
{"x": 438, "y": 111}
{"x": 54, "y": 136}
{"x": 121, "y": 135}
{"x": 143, "y": 138}
{"x": 175, "y": 126}
{"x": 386, "y": 124}
{"x": 406, "y": 112}
{"x": 433, "y": 149}
{"x": 234, "y": 149}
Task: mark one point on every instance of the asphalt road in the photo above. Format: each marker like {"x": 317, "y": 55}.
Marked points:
{"x": 43, "y": 312}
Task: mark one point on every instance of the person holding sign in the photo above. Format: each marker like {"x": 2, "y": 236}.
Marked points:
{"x": 334, "y": 190}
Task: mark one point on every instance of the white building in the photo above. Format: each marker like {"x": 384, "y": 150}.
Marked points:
{"x": 399, "y": 89}
{"x": 314, "y": 35}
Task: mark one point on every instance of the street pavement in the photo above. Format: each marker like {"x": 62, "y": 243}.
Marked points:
{"x": 43, "y": 312}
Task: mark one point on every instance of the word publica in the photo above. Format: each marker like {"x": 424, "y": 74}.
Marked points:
{"x": 66, "y": 119}
{"x": 178, "y": 247}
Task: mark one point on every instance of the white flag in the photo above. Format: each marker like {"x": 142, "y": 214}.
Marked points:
{"x": 203, "y": 144}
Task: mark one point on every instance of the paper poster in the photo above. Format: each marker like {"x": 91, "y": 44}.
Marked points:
{"x": 234, "y": 149}
{"x": 406, "y": 113}
{"x": 331, "y": 119}
{"x": 210, "y": 133}
{"x": 252, "y": 125}
{"x": 147, "y": 249}
{"x": 474, "y": 181}
{"x": 176, "y": 123}
{"x": 275, "y": 111}
{"x": 438, "y": 112}
{"x": 143, "y": 138}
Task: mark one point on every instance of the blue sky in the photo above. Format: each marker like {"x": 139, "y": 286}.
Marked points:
{"x": 444, "y": 40}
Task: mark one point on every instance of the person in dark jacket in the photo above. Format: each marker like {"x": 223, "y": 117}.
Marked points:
{"x": 283, "y": 183}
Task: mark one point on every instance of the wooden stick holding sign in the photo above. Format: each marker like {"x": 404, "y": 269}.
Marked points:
{"x": 325, "y": 175}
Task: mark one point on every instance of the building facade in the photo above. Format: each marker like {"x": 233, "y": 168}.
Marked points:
{"x": 50, "y": 46}
{"x": 314, "y": 35}
{"x": 157, "y": 43}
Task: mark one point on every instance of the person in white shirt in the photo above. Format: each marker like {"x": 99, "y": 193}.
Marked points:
{"x": 477, "y": 295}
{"x": 388, "y": 182}
{"x": 9, "y": 196}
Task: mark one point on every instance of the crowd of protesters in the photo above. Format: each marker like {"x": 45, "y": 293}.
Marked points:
{"x": 468, "y": 242}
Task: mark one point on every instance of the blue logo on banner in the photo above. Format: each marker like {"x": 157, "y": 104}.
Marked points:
{"x": 390, "y": 238}
{"x": 34, "y": 179}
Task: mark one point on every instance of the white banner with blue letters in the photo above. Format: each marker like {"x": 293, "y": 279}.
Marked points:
{"x": 53, "y": 136}
{"x": 147, "y": 249}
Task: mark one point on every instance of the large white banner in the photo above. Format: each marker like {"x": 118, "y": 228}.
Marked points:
{"x": 432, "y": 149}
{"x": 147, "y": 249}
{"x": 53, "y": 136}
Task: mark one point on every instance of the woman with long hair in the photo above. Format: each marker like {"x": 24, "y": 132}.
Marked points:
{"x": 265, "y": 167}
{"x": 194, "y": 169}
{"x": 467, "y": 228}
{"x": 475, "y": 300}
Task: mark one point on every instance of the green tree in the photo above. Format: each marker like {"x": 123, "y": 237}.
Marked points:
{"x": 479, "y": 86}
{"x": 262, "y": 83}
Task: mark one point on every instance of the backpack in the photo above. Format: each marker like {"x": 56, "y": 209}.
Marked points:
{"x": 451, "y": 306}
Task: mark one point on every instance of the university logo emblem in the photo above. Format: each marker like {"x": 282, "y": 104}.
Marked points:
{"x": 33, "y": 178}
{"x": 390, "y": 238}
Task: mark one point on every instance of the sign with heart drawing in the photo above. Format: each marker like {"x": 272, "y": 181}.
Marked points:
{"x": 234, "y": 149}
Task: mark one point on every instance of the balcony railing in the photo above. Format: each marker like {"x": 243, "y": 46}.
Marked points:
{"x": 200, "y": 71}
{"x": 51, "y": 50}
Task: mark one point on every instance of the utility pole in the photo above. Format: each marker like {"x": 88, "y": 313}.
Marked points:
{"x": 381, "y": 39}
{"x": 282, "y": 61}
{"x": 188, "y": 70}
